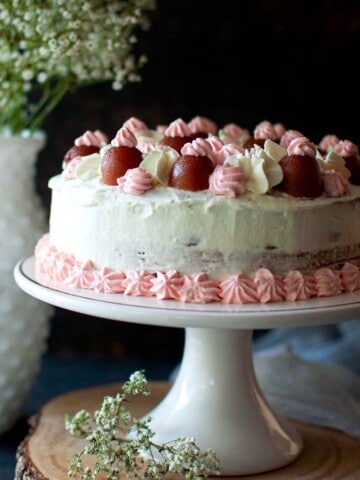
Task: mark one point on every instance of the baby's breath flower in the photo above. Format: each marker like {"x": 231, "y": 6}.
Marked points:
{"x": 48, "y": 48}
{"x": 139, "y": 457}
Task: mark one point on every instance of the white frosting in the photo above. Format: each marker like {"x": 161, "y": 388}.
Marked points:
{"x": 167, "y": 228}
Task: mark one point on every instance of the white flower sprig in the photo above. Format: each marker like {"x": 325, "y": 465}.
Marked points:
{"x": 139, "y": 457}
{"x": 48, "y": 48}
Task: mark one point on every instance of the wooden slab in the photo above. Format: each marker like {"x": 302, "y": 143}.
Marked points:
{"x": 328, "y": 454}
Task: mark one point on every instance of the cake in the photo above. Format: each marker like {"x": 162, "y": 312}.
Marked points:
{"x": 198, "y": 214}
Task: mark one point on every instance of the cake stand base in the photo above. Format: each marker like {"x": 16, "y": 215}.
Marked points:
{"x": 216, "y": 400}
{"x": 45, "y": 453}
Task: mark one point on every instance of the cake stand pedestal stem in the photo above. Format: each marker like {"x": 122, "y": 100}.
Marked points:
{"x": 216, "y": 399}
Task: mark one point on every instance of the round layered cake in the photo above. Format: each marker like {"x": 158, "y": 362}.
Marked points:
{"x": 197, "y": 214}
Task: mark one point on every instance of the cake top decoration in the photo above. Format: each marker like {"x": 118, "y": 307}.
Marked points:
{"x": 301, "y": 146}
{"x": 267, "y": 160}
{"x": 227, "y": 151}
{"x": 202, "y": 124}
{"x": 328, "y": 141}
{"x": 233, "y": 130}
{"x": 135, "y": 181}
{"x": 288, "y": 136}
{"x": 124, "y": 138}
{"x": 345, "y": 148}
{"x": 227, "y": 180}
{"x": 178, "y": 128}
{"x": 279, "y": 129}
{"x": 198, "y": 147}
{"x": 265, "y": 130}
{"x": 135, "y": 125}
{"x": 92, "y": 139}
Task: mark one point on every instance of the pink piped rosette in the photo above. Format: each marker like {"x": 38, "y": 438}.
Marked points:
{"x": 198, "y": 148}
{"x": 138, "y": 283}
{"x": 198, "y": 288}
{"x": 202, "y": 124}
{"x": 269, "y": 287}
{"x": 167, "y": 286}
{"x": 334, "y": 183}
{"x": 301, "y": 146}
{"x": 233, "y": 131}
{"x": 226, "y": 151}
{"x": 279, "y": 129}
{"x": 136, "y": 181}
{"x": 135, "y": 125}
{"x": 109, "y": 281}
{"x": 215, "y": 143}
{"x": 124, "y": 138}
{"x": 238, "y": 289}
{"x": 227, "y": 180}
{"x": 328, "y": 282}
{"x": 346, "y": 148}
{"x": 328, "y": 142}
{"x": 350, "y": 277}
{"x": 262, "y": 287}
{"x": 298, "y": 286}
{"x": 92, "y": 139}
{"x": 288, "y": 136}
{"x": 82, "y": 275}
{"x": 265, "y": 130}
{"x": 178, "y": 128}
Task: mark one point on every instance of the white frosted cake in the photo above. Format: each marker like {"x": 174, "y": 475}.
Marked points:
{"x": 197, "y": 214}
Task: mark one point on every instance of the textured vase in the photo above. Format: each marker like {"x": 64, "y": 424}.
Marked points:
{"x": 23, "y": 320}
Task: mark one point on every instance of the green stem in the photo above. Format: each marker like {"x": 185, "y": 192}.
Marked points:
{"x": 48, "y": 106}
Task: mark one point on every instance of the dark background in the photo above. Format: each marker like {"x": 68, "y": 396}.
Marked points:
{"x": 288, "y": 61}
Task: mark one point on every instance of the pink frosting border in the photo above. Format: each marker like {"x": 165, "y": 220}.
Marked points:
{"x": 262, "y": 287}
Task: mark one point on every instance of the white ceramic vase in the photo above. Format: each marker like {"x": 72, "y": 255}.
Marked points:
{"x": 23, "y": 320}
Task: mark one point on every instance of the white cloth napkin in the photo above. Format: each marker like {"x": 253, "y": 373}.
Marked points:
{"x": 317, "y": 393}
{"x": 312, "y": 374}
{"x": 333, "y": 344}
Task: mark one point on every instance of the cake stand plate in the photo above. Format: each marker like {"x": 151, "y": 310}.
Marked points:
{"x": 215, "y": 398}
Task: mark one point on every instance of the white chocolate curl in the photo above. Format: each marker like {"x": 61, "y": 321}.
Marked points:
{"x": 261, "y": 171}
{"x": 159, "y": 161}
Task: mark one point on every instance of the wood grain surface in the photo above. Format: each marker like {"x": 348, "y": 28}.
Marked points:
{"x": 44, "y": 454}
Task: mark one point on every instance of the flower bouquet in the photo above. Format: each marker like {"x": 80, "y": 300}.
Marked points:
{"x": 51, "y": 47}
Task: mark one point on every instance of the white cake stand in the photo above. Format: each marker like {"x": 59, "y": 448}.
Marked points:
{"x": 215, "y": 398}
